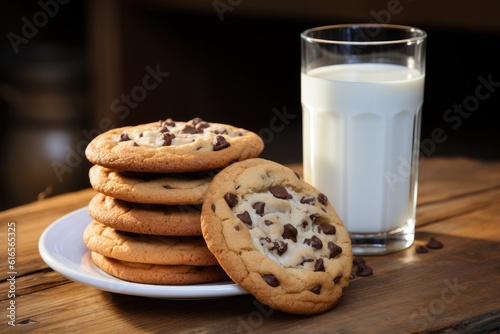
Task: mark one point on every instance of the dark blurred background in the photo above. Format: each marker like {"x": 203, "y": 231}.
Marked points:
{"x": 70, "y": 70}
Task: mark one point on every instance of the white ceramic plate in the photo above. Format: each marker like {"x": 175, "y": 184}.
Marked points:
{"x": 61, "y": 246}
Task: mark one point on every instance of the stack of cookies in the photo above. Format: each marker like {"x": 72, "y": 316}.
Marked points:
{"x": 190, "y": 202}
{"x": 151, "y": 181}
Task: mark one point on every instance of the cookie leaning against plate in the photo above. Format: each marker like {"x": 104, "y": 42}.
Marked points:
{"x": 167, "y": 220}
{"x": 158, "y": 274}
{"x": 150, "y": 249}
{"x": 277, "y": 236}
{"x": 170, "y": 146}
{"x": 151, "y": 188}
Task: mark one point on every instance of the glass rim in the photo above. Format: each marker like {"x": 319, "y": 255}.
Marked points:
{"x": 421, "y": 34}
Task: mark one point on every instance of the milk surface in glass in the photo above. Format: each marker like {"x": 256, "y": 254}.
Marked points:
{"x": 359, "y": 125}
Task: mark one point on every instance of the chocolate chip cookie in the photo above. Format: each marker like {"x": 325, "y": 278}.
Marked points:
{"x": 163, "y": 220}
{"x": 277, "y": 236}
{"x": 151, "y": 249}
{"x": 158, "y": 274}
{"x": 151, "y": 188}
{"x": 172, "y": 146}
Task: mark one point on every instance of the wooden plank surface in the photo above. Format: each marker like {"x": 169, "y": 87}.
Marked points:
{"x": 450, "y": 289}
{"x": 31, "y": 220}
{"x": 455, "y": 177}
{"x": 454, "y": 186}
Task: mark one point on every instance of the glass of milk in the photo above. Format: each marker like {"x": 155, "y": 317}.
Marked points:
{"x": 362, "y": 90}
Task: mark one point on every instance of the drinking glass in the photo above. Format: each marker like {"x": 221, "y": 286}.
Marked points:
{"x": 362, "y": 90}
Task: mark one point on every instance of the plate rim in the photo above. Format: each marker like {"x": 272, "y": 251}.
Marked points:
{"x": 106, "y": 282}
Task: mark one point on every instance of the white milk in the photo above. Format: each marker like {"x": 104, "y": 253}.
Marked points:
{"x": 360, "y": 122}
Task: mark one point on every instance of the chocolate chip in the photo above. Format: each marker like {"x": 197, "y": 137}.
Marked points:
{"x": 164, "y": 128}
{"x": 305, "y": 225}
{"x": 224, "y": 132}
{"x": 167, "y": 187}
{"x": 314, "y": 242}
{"x": 334, "y": 249}
{"x": 316, "y": 289}
{"x": 337, "y": 279}
{"x": 268, "y": 222}
{"x": 231, "y": 199}
{"x": 279, "y": 191}
{"x": 434, "y": 244}
{"x": 327, "y": 228}
{"x": 364, "y": 270}
{"x": 280, "y": 247}
{"x": 213, "y": 207}
{"x": 306, "y": 259}
{"x": 196, "y": 120}
{"x": 358, "y": 260}
{"x": 202, "y": 125}
{"x": 271, "y": 280}
{"x": 322, "y": 199}
{"x": 164, "y": 139}
{"x": 259, "y": 207}
{"x": 124, "y": 137}
{"x": 290, "y": 232}
{"x": 319, "y": 265}
{"x": 219, "y": 143}
{"x": 421, "y": 249}
{"x": 308, "y": 200}
{"x": 266, "y": 239}
{"x": 190, "y": 129}
{"x": 245, "y": 217}
{"x": 237, "y": 227}
{"x": 313, "y": 217}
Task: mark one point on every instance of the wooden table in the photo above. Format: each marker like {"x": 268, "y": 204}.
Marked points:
{"x": 456, "y": 288}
